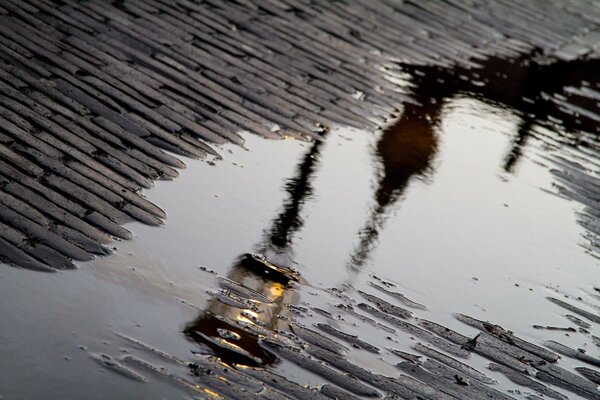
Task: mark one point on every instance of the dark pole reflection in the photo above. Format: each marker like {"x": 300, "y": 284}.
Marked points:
{"x": 279, "y": 239}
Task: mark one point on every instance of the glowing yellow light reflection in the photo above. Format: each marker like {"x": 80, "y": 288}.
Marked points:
{"x": 276, "y": 289}
{"x": 213, "y": 394}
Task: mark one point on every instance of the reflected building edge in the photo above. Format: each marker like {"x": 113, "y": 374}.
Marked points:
{"x": 526, "y": 86}
{"x": 544, "y": 94}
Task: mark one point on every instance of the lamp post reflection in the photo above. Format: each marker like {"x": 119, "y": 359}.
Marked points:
{"x": 252, "y": 299}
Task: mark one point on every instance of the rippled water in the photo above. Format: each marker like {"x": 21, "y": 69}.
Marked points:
{"x": 450, "y": 205}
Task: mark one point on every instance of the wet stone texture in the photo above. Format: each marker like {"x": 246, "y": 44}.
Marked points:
{"x": 100, "y": 99}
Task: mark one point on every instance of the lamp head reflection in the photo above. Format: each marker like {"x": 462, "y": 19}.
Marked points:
{"x": 250, "y": 304}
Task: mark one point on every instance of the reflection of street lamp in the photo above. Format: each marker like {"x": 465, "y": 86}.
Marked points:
{"x": 247, "y": 304}
{"x": 251, "y": 302}
{"x": 254, "y": 298}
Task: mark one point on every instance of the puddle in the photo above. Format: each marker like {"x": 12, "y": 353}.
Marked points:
{"x": 454, "y": 206}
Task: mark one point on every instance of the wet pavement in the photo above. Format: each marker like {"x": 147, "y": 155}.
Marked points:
{"x": 455, "y": 208}
{"x": 437, "y": 239}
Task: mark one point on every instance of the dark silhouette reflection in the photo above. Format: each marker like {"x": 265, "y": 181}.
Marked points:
{"x": 253, "y": 299}
{"x": 404, "y": 151}
{"x": 278, "y": 240}
{"x": 526, "y": 86}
